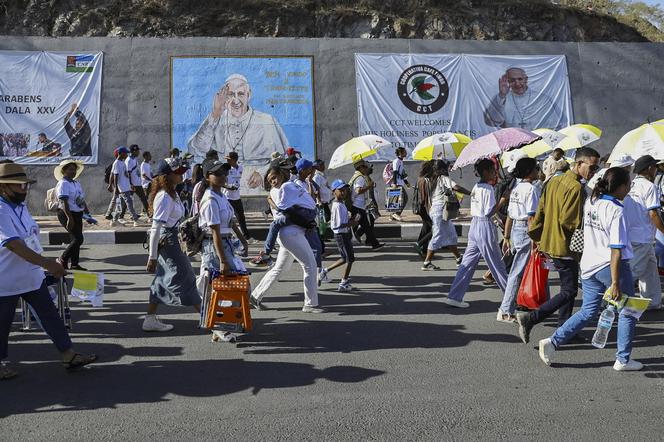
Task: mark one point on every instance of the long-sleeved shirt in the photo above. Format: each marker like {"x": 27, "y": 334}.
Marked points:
{"x": 80, "y": 139}
{"x": 559, "y": 214}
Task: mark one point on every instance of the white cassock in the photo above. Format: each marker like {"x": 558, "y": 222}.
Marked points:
{"x": 254, "y": 136}
{"x": 531, "y": 110}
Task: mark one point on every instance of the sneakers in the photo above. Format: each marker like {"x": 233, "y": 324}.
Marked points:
{"x": 256, "y": 304}
{"x": 505, "y": 317}
{"x": 454, "y": 303}
{"x": 631, "y": 365}
{"x": 312, "y": 309}
{"x": 261, "y": 261}
{"x": 429, "y": 266}
{"x": 420, "y": 250}
{"x": 137, "y": 223}
{"x": 525, "y": 326}
{"x": 153, "y": 324}
{"x": 344, "y": 286}
{"x": 546, "y": 350}
{"x": 378, "y": 246}
{"x": 322, "y": 276}
{"x": 121, "y": 221}
{"x": 396, "y": 217}
{"x": 218, "y": 335}
{"x": 458, "y": 260}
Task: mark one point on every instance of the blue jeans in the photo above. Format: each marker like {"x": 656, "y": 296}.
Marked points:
{"x": 521, "y": 243}
{"x": 277, "y": 223}
{"x": 209, "y": 258}
{"x": 593, "y": 291}
{"x": 316, "y": 245}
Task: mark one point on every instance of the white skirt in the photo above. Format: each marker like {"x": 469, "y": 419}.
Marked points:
{"x": 443, "y": 233}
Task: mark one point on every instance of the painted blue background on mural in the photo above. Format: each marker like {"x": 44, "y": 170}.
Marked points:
{"x": 195, "y": 80}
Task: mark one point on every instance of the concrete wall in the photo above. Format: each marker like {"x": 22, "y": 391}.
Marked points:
{"x": 614, "y": 86}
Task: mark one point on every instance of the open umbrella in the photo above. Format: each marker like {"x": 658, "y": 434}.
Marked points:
{"x": 356, "y": 149}
{"x": 647, "y": 139}
{"x": 551, "y": 140}
{"x": 494, "y": 144}
{"x": 585, "y": 133}
{"x": 445, "y": 146}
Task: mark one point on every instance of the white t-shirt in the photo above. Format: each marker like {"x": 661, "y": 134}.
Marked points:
{"x": 482, "y": 199}
{"x": 19, "y": 275}
{"x": 234, "y": 177}
{"x": 604, "y": 228}
{"x": 643, "y": 197}
{"x": 359, "y": 199}
{"x": 133, "y": 170}
{"x": 324, "y": 188}
{"x": 339, "y": 216}
{"x": 398, "y": 171}
{"x": 523, "y": 201}
{"x": 122, "y": 178}
{"x": 437, "y": 197}
{"x": 166, "y": 209}
{"x": 72, "y": 192}
{"x": 290, "y": 194}
{"x": 215, "y": 210}
{"x": 146, "y": 171}
{"x": 186, "y": 176}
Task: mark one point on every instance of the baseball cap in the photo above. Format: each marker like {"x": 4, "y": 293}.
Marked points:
{"x": 302, "y": 164}
{"x": 216, "y": 167}
{"x": 339, "y": 184}
{"x": 122, "y": 149}
{"x": 232, "y": 156}
{"x": 170, "y": 165}
{"x": 134, "y": 147}
{"x": 643, "y": 163}
{"x": 292, "y": 151}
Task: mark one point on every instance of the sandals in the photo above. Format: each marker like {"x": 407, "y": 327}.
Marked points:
{"x": 6, "y": 372}
{"x": 78, "y": 360}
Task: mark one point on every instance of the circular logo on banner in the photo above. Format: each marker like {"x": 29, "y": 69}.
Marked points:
{"x": 423, "y": 89}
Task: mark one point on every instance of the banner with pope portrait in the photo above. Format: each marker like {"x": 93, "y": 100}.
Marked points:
{"x": 407, "y": 97}
{"x": 254, "y": 106}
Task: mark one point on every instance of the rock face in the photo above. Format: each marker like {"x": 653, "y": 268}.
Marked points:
{"x": 422, "y": 19}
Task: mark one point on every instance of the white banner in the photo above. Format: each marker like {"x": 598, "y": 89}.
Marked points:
{"x": 407, "y": 97}
{"x": 49, "y": 106}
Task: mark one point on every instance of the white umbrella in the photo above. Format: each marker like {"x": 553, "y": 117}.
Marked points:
{"x": 356, "y": 149}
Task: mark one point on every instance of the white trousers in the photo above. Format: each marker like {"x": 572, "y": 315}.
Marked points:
{"x": 644, "y": 268}
{"x": 293, "y": 246}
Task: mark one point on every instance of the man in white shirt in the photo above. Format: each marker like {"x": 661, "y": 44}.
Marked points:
{"x": 399, "y": 178}
{"x": 642, "y": 208}
{"x": 324, "y": 190}
{"x": 360, "y": 188}
{"x": 120, "y": 185}
{"x": 146, "y": 172}
{"x": 232, "y": 191}
{"x": 518, "y": 105}
{"x": 134, "y": 171}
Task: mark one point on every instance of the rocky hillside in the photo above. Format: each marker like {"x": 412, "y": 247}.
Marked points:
{"x": 427, "y": 19}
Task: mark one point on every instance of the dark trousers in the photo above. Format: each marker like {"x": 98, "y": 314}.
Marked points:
{"x": 140, "y": 193}
{"x": 425, "y": 232}
{"x": 72, "y": 253}
{"x": 365, "y": 227}
{"x": 40, "y": 301}
{"x": 568, "y": 271}
{"x": 239, "y": 214}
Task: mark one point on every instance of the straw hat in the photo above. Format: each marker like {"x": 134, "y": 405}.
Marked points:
{"x": 58, "y": 169}
{"x": 12, "y": 173}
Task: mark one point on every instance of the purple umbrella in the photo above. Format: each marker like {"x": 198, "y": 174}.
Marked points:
{"x": 494, "y": 144}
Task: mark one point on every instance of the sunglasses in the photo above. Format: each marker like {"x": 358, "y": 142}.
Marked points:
{"x": 593, "y": 167}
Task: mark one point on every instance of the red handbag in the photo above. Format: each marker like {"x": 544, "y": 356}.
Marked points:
{"x": 532, "y": 292}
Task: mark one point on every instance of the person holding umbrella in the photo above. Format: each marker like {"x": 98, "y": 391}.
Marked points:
{"x": 21, "y": 257}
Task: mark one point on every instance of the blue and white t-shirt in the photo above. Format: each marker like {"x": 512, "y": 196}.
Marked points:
{"x": 72, "y": 192}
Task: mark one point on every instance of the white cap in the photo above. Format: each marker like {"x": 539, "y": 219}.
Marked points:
{"x": 622, "y": 161}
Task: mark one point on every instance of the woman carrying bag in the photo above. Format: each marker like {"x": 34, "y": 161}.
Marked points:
{"x": 71, "y": 208}
{"x": 174, "y": 282}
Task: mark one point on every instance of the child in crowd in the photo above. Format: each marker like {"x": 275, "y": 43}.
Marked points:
{"x": 482, "y": 237}
{"x": 341, "y": 224}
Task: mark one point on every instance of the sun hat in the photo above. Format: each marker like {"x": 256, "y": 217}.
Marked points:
{"x": 12, "y": 173}
{"x": 339, "y": 184}
{"x": 57, "y": 172}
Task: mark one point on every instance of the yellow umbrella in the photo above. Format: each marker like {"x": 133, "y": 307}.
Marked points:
{"x": 585, "y": 133}
{"x": 356, "y": 149}
{"x": 445, "y": 146}
{"x": 551, "y": 140}
{"x": 647, "y": 139}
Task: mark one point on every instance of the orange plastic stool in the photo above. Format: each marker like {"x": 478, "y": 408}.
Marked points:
{"x": 228, "y": 307}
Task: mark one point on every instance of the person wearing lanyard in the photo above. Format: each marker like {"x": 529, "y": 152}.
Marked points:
{"x": 604, "y": 268}
{"x": 71, "y": 210}
{"x": 20, "y": 257}
{"x": 520, "y": 212}
{"x": 174, "y": 282}
{"x": 232, "y": 191}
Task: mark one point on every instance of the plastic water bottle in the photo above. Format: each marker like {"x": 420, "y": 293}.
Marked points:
{"x": 604, "y": 327}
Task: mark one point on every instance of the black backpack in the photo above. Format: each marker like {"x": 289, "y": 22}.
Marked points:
{"x": 107, "y": 173}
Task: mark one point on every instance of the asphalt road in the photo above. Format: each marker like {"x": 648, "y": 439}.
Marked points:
{"x": 387, "y": 362}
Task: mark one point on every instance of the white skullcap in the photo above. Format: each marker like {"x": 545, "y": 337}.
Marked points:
{"x": 622, "y": 161}
{"x": 236, "y": 77}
